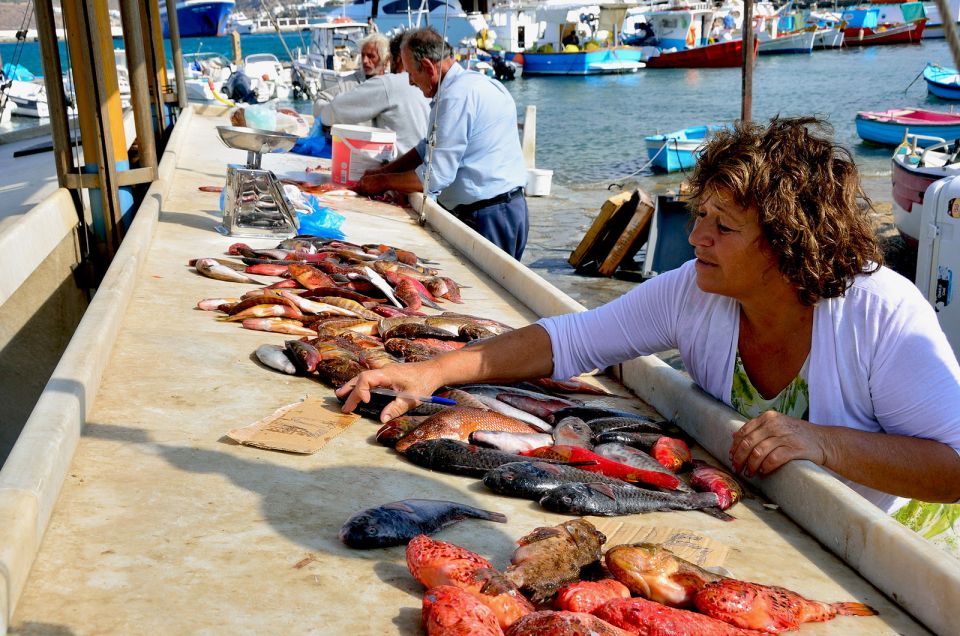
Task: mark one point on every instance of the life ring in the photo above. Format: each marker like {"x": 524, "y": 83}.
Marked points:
{"x": 691, "y": 37}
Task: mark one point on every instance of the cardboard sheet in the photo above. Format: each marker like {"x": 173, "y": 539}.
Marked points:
{"x": 302, "y": 427}
{"x": 686, "y": 544}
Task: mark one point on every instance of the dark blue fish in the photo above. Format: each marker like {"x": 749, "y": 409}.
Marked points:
{"x": 398, "y": 522}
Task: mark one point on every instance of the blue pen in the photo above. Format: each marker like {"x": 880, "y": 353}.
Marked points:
{"x": 430, "y": 400}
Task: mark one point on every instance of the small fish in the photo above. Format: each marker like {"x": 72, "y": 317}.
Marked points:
{"x": 389, "y": 433}
{"x": 671, "y": 452}
{"x": 550, "y": 557}
{"x": 338, "y": 371}
{"x": 413, "y": 330}
{"x": 264, "y": 269}
{"x": 312, "y": 306}
{"x": 586, "y": 596}
{"x": 436, "y": 563}
{"x": 462, "y": 398}
{"x": 451, "y": 611}
{"x": 456, "y": 457}
{"x": 706, "y": 478}
{"x": 259, "y": 297}
{"x": 510, "y": 442}
{"x": 398, "y": 522}
{"x": 549, "y": 623}
{"x": 381, "y": 284}
{"x": 654, "y": 572}
{"x": 606, "y": 466}
{"x": 637, "y": 459}
{"x": 608, "y": 500}
{"x": 505, "y": 409}
{"x": 214, "y": 304}
{"x": 458, "y": 423}
{"x": 573, "y": 385}
{"x": 534, "y": 479}
{"x": 265, "y": 311}
{"x": 587, "y": 413}
{"x": 376, "y": 358}
{"x": 540, "y": 408}
{"x": 212, "y": 269}
{"x": 627, "y": 438}
{"x": 290, "y": 327}
{"x": 309, "y": 276}
{"x": 305, "y": 356}
{"x": 768, "y": 608}
{"x": 624, "y": 424}
{"x": 275, "y": 357}
{"x": 640, "y": 616}
{"x": 572, "y": 431}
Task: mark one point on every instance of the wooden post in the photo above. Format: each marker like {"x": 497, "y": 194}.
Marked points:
{"x": 746, "y": 89}
{"x": 139, "y": 87}
{"x": 529, "y": 139}
{"x": 949, "y": 30}
{"x": 173, "y": 29}
{"x": 56, "y": 101}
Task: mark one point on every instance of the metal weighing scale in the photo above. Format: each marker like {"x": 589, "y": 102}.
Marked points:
{"x": 254, "y": 204}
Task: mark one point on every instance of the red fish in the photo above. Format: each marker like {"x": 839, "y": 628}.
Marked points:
{"x": 706, "y": 478}
{"x": 672, "y": 453}
{"x": 563, "y": 624}
{"x": 534, "y": 406}
{"x": 640, "y": 616}
{"x": 458, "y": 423}
{"x": 768, "y": 608}
{"x": 291, "y": 327}
{"x": 654, "y": 572}
{"x": 310, "y": 277}
{"x": 604, "y": 466}
{"x": 408, "y": 295}
{"x": 266, "y": 269}
{"x": 451, "y": 611}
{"x": 286, "y": 283}
{"x": 586, "y": 596}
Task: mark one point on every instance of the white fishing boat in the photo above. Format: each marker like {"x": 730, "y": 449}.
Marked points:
{"x": 205, "y": 74}
{"x": 332, "y": 56}
{"x": 446, "y": 16}
{"x": 829, "y": 34}
{"x": 267, "y": 70}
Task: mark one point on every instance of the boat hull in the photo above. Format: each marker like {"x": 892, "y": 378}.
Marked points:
{"x": 942, "y": 82}
{"x": 901, "y": 34}
{"x": 722, "y": 55}
{"x": 891, "y": 133}
{"x": 909, "y": 185}
{"x": 601, "y": 61}
{"x": 199, "y": 19}
{"x": 794, "y": 43}
{"x": 828, "y": 39}
{"x": 678, "y": 150}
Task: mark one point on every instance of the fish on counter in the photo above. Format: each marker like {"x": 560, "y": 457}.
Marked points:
{"x": 627, "y": 438}
{"x": 540, "y": 407}
{"x": 398, "y": 522}
{"x": 671, "y": 452}
{"x": 459, "y": 423}
{"x": 212, "y": 269}
{"x": 586, "y": 596}
{"x": 275, "y": 357}
{"x": 389, "y": 433}
{"x": 451, "y": 611}
{"x": 550, "y": 557}
{"x": 573, "y": 385}
{"x": 608, "y": 500}
{"x": 549, "y": 623}
{"x": 636, "y": 458}
{"x": 588, "y": 412}
{"x": 533, "y": 479}
{"x": 510, "y": 442}
{"x": 572, "y": 431}
{"x": 640, "y": 616}
{"x": 503, "y": 408}
{"x": 456, "y": 457}
{"x": 607, "y": 467}
{"x": 707, "y": 478}
{"x": 654, "y": 572}
{"x": 278, "y": 325}
{"x": 768, "y": 608}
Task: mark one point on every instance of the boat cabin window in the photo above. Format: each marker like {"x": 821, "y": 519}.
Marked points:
{"x": 403, "y": 6}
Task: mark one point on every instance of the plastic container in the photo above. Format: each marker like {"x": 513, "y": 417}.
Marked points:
{"x": 357, "y": 149}
{"x": 538, "y": 182}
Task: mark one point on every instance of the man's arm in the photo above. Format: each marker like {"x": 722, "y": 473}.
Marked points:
{"x": 363, "y": 103}
{"x": 397, "y": 175}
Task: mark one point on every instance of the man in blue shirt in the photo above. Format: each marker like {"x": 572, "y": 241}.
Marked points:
{"x": 476, "y": 168}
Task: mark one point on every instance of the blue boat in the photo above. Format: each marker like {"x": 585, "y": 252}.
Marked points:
{"x": 199, "y": 18}
{"x": 678, "y": 150}
{"x": 942, "y": 81}
{"x": 598, "y": 61}
{"x": 889, "y": 127}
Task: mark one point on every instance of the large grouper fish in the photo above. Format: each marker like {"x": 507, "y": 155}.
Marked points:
{"x": 398, "y": 522}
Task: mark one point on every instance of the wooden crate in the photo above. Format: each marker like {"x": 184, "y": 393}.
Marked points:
{"x": 615, "y": 214}
{"x": 632, "y": 238}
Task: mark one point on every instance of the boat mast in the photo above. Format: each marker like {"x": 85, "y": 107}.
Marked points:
{"x": 746, "y": 84}
{"x": 949, "y": 30}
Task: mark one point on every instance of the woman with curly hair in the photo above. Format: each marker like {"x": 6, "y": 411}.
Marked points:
{"x": 786, "y": 314}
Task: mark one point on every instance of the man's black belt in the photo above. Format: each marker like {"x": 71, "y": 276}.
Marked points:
{"x": 506, "y": 197}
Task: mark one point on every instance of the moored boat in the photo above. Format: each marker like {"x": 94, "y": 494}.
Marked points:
{"x": 942, "y": 81}
{"x": 913, "y": 170}
{"x": 796, "y": 42}
{"x": 888, "y": 127}
{"x": 595, "y": 62}
{"x": 891, "y": 24}
{"x": 678, "y": 150}
{"x": 720, "y": 55}
{"x": 199, "y": 18}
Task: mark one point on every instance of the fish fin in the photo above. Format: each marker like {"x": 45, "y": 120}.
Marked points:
{"x": 399, "y": 505}
{"x": 853, "y": 609}
{"x": 496, "y": 582}
{"x": 583, "y": 462}
{"x": 540, "y": 534}
{"x": 713, "y": 511}
{"x": 490, "y": 515}
{"x": 603, "y": 489}
{"x": 553, "y": 469}
{"x": 429, "y": 303}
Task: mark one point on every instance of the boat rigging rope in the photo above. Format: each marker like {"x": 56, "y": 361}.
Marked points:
{"x": 919, "y": 75}
{"x": 666, "y": 143}
{"x": 432, "y": 136}
{"x": 17, "y": 52}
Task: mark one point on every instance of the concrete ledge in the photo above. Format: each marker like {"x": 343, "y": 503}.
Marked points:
{"x": 28, "y": 242}
{"x": 916, "y": 574}
{"x": 536, "y": 293}
{"x": 31, "y": 479}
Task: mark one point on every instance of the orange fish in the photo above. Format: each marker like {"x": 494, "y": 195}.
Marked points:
{"x": 309, "y": 276}
{"x": 563, "y": 624}
{"x": 450, "y": 611}
{"x": 278, "y": 325}
{"x": 586, "y": 596}
{"x": 658, "y": 574}
{"x": 458, "y": 423}
{"x": 672, "y": 453}
{"x": 768, "y": 608}
{"x": 640, "y": 616}
{"x": 436, "y": 563}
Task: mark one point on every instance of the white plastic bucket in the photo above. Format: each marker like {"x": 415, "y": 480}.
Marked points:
{"x": 538, "y": 182}
{"x": 357, "y": 149}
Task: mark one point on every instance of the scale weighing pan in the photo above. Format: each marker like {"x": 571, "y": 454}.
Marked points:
{"x": 256, "y": 140}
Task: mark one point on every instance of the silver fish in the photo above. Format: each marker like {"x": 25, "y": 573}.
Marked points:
{"x": 505, "y": 409}
{"x": 380, "y": 283}
{"x": 511, "y": 442}
{"x": 212, "y": 269}
{"x": 572, "y": 431}
{"x": 610, "y": 500}
{"x": 275, "y": 357}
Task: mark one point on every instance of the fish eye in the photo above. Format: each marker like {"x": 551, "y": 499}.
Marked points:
{"x": 371, "y": 530}
{"x": 508, "y": 477}
{"x": 567, "y": 500}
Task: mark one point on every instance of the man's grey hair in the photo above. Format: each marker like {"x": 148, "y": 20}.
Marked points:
{"x": 383, "y": 46}
{"x": 426, "y": 44}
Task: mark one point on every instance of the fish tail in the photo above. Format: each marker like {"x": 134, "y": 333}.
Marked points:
{"x": 853, "y": 609}
{"x": 489, "y": 515}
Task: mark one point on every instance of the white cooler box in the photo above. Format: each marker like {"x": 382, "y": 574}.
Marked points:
{"x": 938, "y": 254}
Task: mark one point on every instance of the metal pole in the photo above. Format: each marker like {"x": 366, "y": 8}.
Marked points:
{"x": 949, "y": 30}
{"x": 50, "y": 57}
{"x": 139, "y": 88}
{"x": 746, "y": 87}
{"x": 173, "y": 29}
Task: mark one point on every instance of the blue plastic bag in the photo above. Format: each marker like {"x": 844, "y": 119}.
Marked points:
{"x": 322, "y": 221}
{"x": 315, "y": 144}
